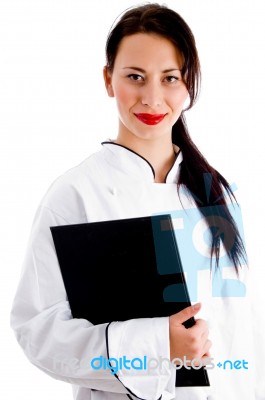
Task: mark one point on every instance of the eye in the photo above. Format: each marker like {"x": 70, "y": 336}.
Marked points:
{"x": 135, "y": 77}
{"x": 171, "y": 79}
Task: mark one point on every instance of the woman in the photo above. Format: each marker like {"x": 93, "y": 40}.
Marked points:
{"x": 152, "y": 166}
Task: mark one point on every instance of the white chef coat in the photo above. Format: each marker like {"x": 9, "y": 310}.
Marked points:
{"x": 114, "y": 183}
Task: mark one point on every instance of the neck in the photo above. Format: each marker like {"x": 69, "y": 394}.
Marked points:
{"x": 159, "y": 153}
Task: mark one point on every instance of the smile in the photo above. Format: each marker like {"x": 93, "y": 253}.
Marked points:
{"x": 150, "y": 119}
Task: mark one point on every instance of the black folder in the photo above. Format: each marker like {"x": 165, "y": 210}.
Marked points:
{"x": 123, "y": 269}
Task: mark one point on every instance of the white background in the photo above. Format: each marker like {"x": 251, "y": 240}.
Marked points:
{"x": 54, "y": 112}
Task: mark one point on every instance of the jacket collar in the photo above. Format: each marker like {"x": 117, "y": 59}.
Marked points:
{"x": 136, "y": 165}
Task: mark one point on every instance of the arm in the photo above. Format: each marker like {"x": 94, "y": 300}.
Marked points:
{"x": 61, "y": 346}
{"x": 41, "y": 318}
{"x": 144, "y": 334}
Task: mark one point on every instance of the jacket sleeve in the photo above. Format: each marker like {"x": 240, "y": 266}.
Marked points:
{"x": 62, "y": 346}
{"x": 138, "y": 341}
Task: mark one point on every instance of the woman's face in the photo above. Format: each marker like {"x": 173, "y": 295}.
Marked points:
{"x": 147, "y": 84}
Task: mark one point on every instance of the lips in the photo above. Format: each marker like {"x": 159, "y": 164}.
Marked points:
{"x": 150, "y": 119}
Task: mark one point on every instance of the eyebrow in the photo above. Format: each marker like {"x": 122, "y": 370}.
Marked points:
{"x": 142, "y": 70}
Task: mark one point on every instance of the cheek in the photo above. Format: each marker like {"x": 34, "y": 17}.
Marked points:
{"x": 180, "y": 98}
{"x": 125, "y": 96}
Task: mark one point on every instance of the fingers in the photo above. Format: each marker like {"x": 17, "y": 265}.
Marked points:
{"x": 207, "y": 346}
{"x": 199, "y": 334}
{"x": 186, "y": 314}
{"x": 200, "y": 328}
{"x": 193, "y": 342}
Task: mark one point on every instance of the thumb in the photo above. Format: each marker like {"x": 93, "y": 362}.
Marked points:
{"x": 186, "y": 313}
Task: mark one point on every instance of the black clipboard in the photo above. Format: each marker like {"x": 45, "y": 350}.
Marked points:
{"x": 134, "y": 262}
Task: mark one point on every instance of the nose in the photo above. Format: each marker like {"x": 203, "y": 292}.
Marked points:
{"x": 152, "y": 95}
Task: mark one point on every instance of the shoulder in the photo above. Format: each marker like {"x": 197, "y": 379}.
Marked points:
{"x": 65, "y": 194}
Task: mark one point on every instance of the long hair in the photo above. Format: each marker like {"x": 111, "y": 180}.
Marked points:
{"x": 195, "y": 171}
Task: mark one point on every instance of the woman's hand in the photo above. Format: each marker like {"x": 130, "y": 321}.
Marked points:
{"x": 191, "y": 342}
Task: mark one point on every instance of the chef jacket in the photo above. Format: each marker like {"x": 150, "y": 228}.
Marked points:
{"x": 114, "y": 183}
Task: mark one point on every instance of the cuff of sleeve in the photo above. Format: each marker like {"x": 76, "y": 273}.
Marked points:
{"x": 139, "y": 354}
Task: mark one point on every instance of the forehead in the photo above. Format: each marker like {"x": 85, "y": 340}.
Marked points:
{"x": 148, "y": 49}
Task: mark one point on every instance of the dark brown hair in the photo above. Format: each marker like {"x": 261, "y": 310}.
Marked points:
{"x": 196, "y": 174}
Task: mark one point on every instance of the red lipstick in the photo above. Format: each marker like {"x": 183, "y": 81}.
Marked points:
{"x": 150, "y": 119}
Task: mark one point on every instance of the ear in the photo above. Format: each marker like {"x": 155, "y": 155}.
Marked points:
{"x": 107, "y": 78}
